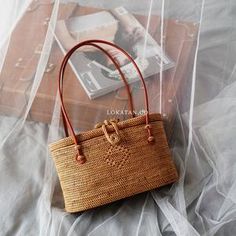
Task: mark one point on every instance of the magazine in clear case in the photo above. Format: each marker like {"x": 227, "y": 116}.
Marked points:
{"x": 93, "y": 69}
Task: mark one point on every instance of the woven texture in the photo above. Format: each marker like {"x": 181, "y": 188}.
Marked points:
{"x": 113, "y": 172}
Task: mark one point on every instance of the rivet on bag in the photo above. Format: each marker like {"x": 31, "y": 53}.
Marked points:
{"x": 115, "y": 160}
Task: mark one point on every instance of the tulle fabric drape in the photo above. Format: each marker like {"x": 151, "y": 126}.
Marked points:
{"x": 202, "y": 202}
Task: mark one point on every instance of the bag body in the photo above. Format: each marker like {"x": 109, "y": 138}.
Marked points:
{"x": 115, "y": 160}
{"x": 113, "y": 172}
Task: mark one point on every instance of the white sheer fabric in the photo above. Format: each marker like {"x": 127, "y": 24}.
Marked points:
{"x": 202, "y": 202}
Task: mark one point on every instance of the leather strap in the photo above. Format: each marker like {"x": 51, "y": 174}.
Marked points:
{"x": 94, "y": 44}
{"x": 130, "y": 98}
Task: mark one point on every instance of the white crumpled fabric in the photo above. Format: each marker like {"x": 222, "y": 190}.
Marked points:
{"x": 202, "y": 202}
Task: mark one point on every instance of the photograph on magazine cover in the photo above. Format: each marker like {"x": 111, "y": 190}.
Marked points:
{"x": 94, "y": 70}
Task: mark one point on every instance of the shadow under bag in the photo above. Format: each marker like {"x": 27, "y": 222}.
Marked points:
{"x": 115, "y": 160}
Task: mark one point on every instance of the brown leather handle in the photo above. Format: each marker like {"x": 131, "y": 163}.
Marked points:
{"x": 130, "y": 98}
{"x": 61, "y": 75}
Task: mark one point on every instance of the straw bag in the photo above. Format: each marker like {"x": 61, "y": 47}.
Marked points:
{"x": 115, "y": 160}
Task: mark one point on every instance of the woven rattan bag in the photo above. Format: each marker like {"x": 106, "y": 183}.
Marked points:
{"x": 115, "y": 160}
